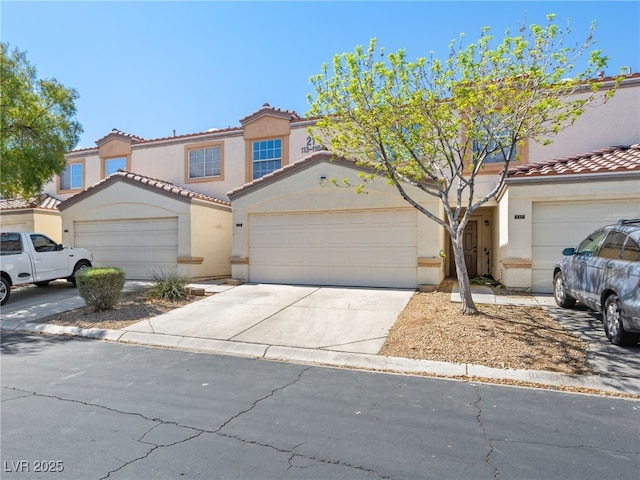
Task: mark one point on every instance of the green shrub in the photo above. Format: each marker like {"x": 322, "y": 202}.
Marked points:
{"x": 101, "y": 287}
{"x": 169, "y": 286}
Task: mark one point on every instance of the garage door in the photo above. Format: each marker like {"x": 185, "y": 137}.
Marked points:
{"x": 560, "y": 225}
{"x": 353, "y": 248}
{"x": 10, "y": 225}
{"x": 139, "y": 246}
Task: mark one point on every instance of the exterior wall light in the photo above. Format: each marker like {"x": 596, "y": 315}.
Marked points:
{"x": 323, "y": 181}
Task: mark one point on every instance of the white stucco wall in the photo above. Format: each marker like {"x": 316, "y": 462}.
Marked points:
{"x": 615, "y": 122}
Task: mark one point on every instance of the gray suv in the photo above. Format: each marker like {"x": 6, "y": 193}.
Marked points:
{"x": 603, "y": 273}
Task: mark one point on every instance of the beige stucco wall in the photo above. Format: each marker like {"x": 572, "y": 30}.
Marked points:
{"x": 302, "y": 192}
{"x": 47, "y": 222}
{"x": 198, "y": 226}
{"x": 210, "y": 240}
{"x": 165, "y": 160}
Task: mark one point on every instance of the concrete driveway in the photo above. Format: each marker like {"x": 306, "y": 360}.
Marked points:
{"x": 607, "y": 358}
{"x": 28, "y": 303}
{"x": 327, "y": 318}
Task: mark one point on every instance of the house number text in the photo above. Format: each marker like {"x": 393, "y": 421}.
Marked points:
{"x": 311, "y": 146}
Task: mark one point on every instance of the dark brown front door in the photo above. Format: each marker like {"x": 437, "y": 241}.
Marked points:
{"x": 470, "y": 242}
{"x": 471, "y": 247}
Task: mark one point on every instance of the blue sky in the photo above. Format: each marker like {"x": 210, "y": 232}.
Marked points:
{"x": 152, "y": 67}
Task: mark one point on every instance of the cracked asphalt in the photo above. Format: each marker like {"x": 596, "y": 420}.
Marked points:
{"x": 112, "y": 411}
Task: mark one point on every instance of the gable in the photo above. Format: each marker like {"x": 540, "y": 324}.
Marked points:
{"x": 114, "y": 148}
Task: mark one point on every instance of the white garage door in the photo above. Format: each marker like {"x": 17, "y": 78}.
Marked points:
{"x": 139, "y": 246}
{"x": 353, "y": 248}
{"x": 560, "y": 225}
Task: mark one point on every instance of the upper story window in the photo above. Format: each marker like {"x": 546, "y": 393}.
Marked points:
{"x": 204, "y": 162}
{"x": 267, "y": 157}
{"x": 493, "y": 154}
{"x": 71, "y": 177}
{"x": 112, "y": 165}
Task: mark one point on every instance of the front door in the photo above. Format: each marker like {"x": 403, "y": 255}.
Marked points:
{"x": 470, "y": 242}
{"x": 470, "y": 249}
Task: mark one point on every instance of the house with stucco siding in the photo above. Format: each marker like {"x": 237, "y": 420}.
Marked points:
{"x": 260, "y": 196}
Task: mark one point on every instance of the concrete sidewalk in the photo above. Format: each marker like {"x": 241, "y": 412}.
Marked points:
{"x": 340, "y": 327}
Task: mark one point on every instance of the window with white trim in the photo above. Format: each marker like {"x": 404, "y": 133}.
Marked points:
{"x": 266, "y": 157}
{"x": 71, "y": 177}
{"x": 204, "y": 162}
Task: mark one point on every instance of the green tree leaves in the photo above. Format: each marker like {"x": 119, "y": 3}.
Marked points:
{"x": 37, "y": 126}
{"x": 435, "y": 124}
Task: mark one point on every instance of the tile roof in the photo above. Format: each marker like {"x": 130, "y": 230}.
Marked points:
{"x": 145, "y": 182}
{"x": 622, "y": 158}
{"x": 43, "y": 201}
{"x": 117, "y": 133}
{"x": 306, "y": 162}
{"x": 268, "y": 109}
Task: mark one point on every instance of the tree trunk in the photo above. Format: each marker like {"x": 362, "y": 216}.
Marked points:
{"x": 468, "y": 307}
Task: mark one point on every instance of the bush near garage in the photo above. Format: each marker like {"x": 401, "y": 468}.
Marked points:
{"x": 101, "y": 287}
{"x": 170, "y": 286}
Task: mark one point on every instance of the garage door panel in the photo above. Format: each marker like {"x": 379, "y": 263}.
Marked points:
{"x": 556, "y": 226}
{"x": 364, "y": 248}
{"x": 140, "y": 246}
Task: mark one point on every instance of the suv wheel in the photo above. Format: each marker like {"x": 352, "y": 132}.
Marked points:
{"x": 613, "y": 326}
{"x": 559, "y": 293}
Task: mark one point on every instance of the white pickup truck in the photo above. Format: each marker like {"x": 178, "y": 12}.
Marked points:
{"x": 35, "y": 258}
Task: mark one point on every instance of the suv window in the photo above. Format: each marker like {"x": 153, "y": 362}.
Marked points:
{"x": 591, "y": 243}
{"x": 612, "y": 246}
{"x": 631, "y": 251}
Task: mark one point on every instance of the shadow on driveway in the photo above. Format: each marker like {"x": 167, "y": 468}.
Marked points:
{"x": 13, "y": 343}
{"x": 604, "y": 356}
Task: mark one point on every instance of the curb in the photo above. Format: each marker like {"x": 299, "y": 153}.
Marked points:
{"x": 361, "y": 361}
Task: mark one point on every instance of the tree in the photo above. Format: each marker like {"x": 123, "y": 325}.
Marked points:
{"x": 37, "y": 126}
{"x": 434, "y": 124}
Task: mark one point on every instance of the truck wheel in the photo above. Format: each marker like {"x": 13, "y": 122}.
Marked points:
{"x": 81, "y": 265}
{"x": 42, "y": 284}
{"x": 5, "y": 290}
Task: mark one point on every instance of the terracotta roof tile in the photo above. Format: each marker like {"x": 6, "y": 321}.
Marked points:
{"x": 144, "y": 181}
{"x": 44, "y": 201}
{"x": 118, "y": 133}
{"x": 623, "y": 158}
{"x": 266, "y": 108}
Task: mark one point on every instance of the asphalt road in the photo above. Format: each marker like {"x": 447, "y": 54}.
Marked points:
{"x": 74, "y": 408}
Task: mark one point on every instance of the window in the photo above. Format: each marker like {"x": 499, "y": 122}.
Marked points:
{"x": 267, "y": 157}
{"x": 494, "y": 153}
{"x": 204, "y": 162}
{"x": 43, "y": 244}
{"x": 590, "y": 245}
{"x": 71, "y": 177}
{"x": 10, "y": 243}
{"x": 491, "y": 135}
{"x": 631, "y": 251}
{"x": 112, "y": 165}
{"x": 612, "y": 247}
